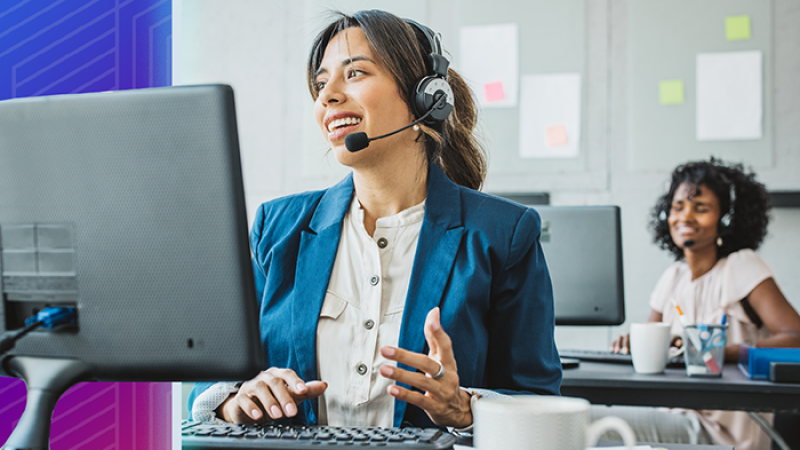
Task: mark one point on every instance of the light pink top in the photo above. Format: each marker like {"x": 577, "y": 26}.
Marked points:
{"x": 705, "y": 300}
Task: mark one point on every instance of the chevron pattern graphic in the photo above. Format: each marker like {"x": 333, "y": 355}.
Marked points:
{"x": 73, "y": 46}
{"x": 50, "y": 47}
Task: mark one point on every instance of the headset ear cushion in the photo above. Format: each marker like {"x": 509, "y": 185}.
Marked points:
{"x": 726, "y": 220}
{"x": 427, "y": 92}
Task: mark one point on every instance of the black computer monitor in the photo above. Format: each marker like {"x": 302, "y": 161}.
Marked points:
{"x": 583, "y": 249}
{"x": 129, "y": 207}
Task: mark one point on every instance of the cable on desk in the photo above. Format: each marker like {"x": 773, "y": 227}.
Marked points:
{"x": 46, "y": 318}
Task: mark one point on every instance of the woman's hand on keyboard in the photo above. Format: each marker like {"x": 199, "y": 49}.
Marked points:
{"x": 621, "y": 345}
{"x": 444, "y": 401}
{"x": 272, "y": 394}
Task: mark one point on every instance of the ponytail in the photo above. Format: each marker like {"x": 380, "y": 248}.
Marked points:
{"x": 453, "y": 147}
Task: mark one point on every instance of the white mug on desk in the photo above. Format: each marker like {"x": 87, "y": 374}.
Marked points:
{"x": 533, "y": 422}
{"x": 649, "y": 346}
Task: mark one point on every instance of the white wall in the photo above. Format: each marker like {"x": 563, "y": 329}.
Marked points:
{"x": 259, "y": 47}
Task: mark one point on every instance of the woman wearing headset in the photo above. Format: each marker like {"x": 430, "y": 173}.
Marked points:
{"x": 402, "y": 294}
{"x": 712, "y": 219}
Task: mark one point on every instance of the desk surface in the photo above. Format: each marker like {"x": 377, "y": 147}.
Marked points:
{"x": 669, "y": 446}
{"x": 654, "y": 445}
{"x": 618, "y": 384}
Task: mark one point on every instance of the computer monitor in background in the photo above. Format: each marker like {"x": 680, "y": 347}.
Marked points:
{"x": 129, "y": 207}
{"x": 583, "y": 249}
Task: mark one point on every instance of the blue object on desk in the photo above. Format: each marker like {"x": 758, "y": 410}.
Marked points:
{"x": 711, "y": 337}
{"x": 754, "y": 361}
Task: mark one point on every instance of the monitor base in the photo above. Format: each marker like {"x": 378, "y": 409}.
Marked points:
{"x": 46, "y": 379}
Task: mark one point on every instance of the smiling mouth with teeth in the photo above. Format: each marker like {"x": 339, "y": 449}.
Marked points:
{"x": 338, "y": 123}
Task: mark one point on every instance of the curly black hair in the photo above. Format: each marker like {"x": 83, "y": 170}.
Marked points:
{"x": 748, "y": 225}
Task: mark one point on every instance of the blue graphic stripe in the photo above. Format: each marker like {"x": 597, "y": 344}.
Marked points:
{"x": 72, "y": 46}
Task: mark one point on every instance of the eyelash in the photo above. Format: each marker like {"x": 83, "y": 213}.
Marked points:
{"x": 320, "y": 85}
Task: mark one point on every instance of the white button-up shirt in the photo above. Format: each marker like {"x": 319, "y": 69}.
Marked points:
{"x": 362, "y": 312}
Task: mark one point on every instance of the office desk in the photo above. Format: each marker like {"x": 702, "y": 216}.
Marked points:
{"x": 654, "y": 445}
{"x": 669, "y": 446}
{"x": 618, "y": 384}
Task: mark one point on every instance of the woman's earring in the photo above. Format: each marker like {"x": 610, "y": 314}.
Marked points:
{"x": 416, "y": 127}
{"x": 719, "y": 241}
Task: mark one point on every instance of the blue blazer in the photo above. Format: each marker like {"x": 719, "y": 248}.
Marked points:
{"x": 478, "y": 258}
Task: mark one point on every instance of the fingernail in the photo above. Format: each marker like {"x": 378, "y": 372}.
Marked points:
{"x": 386, "y": 371}
{"x": 256, "y": 414}
{"x": 276, "y": 412}
{"x": 387, "y": 351}
{"x": 291, "y": 410}
{"x": 436, "y": 326}
{"x": 301, "y": 387}
{"x": 393, "y": 390}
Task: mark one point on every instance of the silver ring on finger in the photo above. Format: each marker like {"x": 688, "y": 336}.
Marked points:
{"x": 440, "y": 373}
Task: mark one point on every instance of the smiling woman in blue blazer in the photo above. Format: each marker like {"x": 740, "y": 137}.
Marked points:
{"x": 402, "y": 294}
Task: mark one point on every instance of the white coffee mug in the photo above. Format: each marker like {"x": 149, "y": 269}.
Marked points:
{"x": 534, "y": 422}
{"x": 649, "y": 346}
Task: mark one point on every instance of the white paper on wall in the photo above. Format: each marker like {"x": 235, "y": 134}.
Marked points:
{"x": 550, "y": 116}
{"x": 490, "y": 63}
{"x": 729, "y": 96}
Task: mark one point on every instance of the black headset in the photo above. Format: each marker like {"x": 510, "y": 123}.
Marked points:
{"x": 725, "y": 220}
{"x": 429, "y": 90}
{"x": 728, "y": 217}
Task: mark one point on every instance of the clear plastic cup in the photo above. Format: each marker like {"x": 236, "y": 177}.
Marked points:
{"x": 705, "y": 349}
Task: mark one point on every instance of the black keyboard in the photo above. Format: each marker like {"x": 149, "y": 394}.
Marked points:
{"x": 604, "y": 356}
{"x": 198, "y": 435}
{"x": 596, "y": 356}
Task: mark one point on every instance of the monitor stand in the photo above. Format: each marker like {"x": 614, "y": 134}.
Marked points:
{"x": 46, "y": 379}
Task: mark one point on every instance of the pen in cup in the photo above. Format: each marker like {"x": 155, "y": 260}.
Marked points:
{"x": 694, "y": 337}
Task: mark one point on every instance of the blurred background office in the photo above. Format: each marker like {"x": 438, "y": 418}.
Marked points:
{"x": 629, "y": 70}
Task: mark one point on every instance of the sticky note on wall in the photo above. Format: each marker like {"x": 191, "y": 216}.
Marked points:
{"x": 494, "y": 92}
{"x": 556, "y": 136}
{"x": 737, "y": 28}
{"x": 671, "y": 92}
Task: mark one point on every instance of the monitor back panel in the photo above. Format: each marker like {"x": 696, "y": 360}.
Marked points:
{"x": 583, "y": 249}
{"x": 129, "y": 205}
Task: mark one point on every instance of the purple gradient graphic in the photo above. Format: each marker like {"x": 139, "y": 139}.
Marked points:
{"x": 52, "y": 47}
{"x": 99, "y": 415}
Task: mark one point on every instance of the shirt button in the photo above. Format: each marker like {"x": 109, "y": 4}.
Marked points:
{"x": 374, "y": 280}
{"x": 361, "y": 369}
{"x": 382, "y": 242}
{"x": 369, "y": 324}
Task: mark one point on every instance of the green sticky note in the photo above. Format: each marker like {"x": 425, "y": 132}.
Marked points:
{"x": 671, "y": 92}
{"x": 737, "y": 28}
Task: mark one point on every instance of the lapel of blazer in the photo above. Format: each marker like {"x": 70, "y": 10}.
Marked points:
{"x": 315, "y": 257}
{"x": 439, "y": 240}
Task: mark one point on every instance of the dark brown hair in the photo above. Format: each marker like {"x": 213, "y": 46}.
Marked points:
{"x": 403, "y": 50}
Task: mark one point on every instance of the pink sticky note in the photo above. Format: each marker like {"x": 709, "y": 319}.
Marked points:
{"x": 494, "y": 91}
{"x": 556, "y": 136}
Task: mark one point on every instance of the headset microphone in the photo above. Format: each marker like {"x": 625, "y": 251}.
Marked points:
{"x": 359, "y": 141}
{"x": 688, "y": 243}
{"x": 432, "y": 93}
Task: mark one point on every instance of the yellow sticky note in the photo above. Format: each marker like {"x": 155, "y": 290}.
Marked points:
{"x": 671, "y": 92}
{"x": 737, "y": 28}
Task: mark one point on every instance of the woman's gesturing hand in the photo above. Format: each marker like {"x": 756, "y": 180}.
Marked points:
{"x": 444, "y": 400}
{"x": 272, "y": 394}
